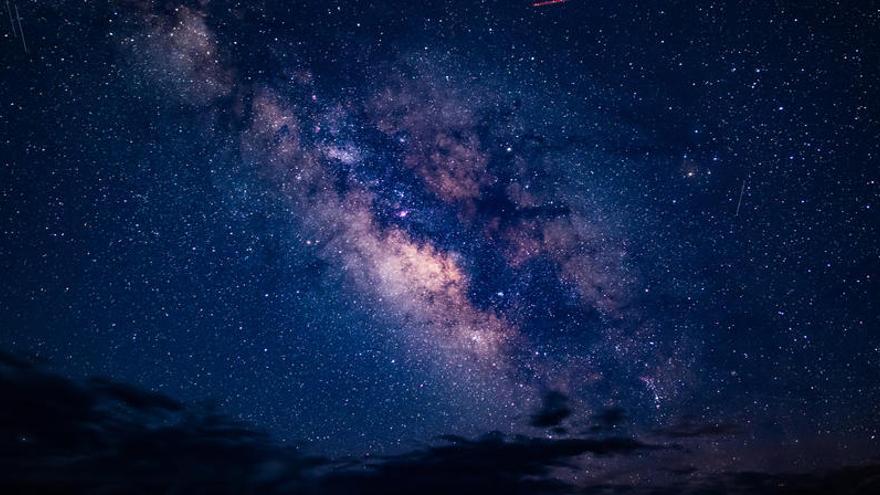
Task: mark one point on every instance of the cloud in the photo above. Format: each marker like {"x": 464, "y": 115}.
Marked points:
{"x": 100, "y": 436}
{"x": 554, "y": 410}
{"x": 493, "y": 463}
{"x": 689, "y": 428}
{"x": 62, "y": 436}
{"x": 848, "y": 480}
{"x": 608, "y": 419}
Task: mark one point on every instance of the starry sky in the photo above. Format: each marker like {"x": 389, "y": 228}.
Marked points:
{"x": 360, "y": 225}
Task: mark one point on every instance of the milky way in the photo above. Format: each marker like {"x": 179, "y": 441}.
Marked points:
{"x": 448, "y": 148}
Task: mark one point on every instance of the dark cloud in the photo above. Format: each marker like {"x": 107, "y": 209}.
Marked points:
{"x": 62, "y": 436}
{"x": 851, "y": 480}
{"x": 690, "y": 428}
{"x": 133, "y": 397}
{"x": 608, "y": 419}
{"x": 493, "y": 463}
{"x": 554, "y": 410}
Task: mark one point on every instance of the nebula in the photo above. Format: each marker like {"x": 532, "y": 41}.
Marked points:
{"x": 178, "y": 51}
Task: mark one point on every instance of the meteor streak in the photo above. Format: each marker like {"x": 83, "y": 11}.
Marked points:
{"x": 547, "y": 2}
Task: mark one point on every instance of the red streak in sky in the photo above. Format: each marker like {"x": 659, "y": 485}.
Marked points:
{"x": 547, "y": 2}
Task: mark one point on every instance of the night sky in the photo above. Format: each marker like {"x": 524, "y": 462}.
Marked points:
{"x": 360, "y": 226}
